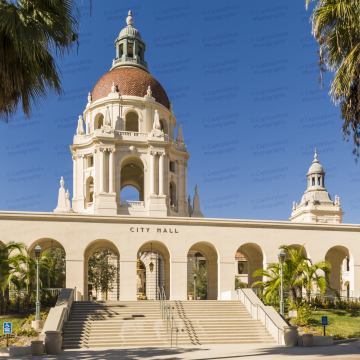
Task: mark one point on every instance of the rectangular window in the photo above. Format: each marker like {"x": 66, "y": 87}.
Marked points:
{"x": 319, "y": 181}
{"x": 313, "y": 181}
{"x": 172, "y": 166}
{"x": 90, "y": 161}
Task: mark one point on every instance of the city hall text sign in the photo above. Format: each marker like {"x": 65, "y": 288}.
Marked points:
{"x": 158, "y": 230}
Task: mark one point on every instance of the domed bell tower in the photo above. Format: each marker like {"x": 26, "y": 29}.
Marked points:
{"x": 129, "y": 141}
{"x": 316, "y": 204}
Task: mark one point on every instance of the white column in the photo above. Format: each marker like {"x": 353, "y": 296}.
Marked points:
{"x": 152, "y": 172}
{"x": 80, "y": 176}
{"x": 74, "y": 177}
{"x": 161, "y": 173}
{"x": 111, "y": 170}
{"x": 101, "y": 170}
{"x": 94, "y": 174}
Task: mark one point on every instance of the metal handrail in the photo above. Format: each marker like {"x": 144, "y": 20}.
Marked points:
{"x": 167, "y": 315}
{"x": 265, "y": 317}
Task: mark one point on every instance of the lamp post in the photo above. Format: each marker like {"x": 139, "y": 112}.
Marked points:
{"x": 38, "y": 253}
{"x": 194, "y": 286}
{"x": 282, "y": 256}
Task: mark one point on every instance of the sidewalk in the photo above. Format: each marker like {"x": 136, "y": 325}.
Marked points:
{"x": 210, "y": 352}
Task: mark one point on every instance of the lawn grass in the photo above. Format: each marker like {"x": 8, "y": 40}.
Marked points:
{"x": 342, "y": 323}
{"x": 15, "y": 323}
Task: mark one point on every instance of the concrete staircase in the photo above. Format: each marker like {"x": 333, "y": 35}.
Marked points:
{"x": 114, "y": 324}
{"x": 217, "y": 322}
{"x": 139, "y": 323}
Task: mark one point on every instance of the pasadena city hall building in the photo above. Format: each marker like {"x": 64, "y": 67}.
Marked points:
{"x": 128, "y": 136}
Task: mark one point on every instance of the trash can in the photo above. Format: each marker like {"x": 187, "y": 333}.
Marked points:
{"x": 291, "y": 335}
{"x": 53, "y": 342}
{"x": 308, "y": 340}
{"x": 37, "y": 348}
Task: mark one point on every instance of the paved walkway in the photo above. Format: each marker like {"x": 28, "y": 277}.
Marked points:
{"x": 210, "y": 352}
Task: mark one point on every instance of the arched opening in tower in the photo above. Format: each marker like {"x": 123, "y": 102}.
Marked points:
{"x": 132, "y": 122}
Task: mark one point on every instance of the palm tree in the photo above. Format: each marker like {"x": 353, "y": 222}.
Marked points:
{"x": 292, "y": 271}
{"x": 336, "y": 27}
{"x": 31, "y": 32}
{"x": 10, "y": 264}
{"x": 311, "y": 276}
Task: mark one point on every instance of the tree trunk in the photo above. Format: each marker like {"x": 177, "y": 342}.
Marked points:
{"x": 308, "y": 292}
{"x": 292, "y": 295}
{"x": 2, "y": 310}
{"x": 299, "y": 292}
{"x": 7, "y": 300}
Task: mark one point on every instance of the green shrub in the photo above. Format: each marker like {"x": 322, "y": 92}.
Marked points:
{"x": 304, "y": 313}
{"x": 25, "y": 332}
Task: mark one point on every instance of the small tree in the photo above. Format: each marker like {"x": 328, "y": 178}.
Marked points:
{"x": 238, "y": 284}
{"x": 201, "y": 281}
{"x": 102, "y": 274}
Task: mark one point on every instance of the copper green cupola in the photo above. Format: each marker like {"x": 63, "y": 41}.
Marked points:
{"x": 130, "y": 48}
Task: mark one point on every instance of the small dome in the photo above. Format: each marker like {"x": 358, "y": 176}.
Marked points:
{"x": 315, "y": 167}
{"x": 130, "y": 81}
{"x": 130, "y": 31}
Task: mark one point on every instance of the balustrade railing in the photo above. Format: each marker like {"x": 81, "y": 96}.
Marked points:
{"x": 132, "y": 203}
{"x": 167, "y": 315}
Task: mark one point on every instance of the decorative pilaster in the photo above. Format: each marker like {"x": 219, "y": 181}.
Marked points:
{"x": 152, "y": 172}
{"x": 101, "y": 170}
{"x": 111, "y": 170}
{"x": 161, "y": 172}
{"x": 74, "y": 176}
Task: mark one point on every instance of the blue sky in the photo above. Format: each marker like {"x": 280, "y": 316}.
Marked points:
{"x": 243, "y": 79}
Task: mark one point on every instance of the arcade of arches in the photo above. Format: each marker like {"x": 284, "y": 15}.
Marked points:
{"x": 157, "y": 261}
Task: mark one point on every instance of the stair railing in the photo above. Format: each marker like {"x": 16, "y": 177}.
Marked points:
{"x": 167, "y": 315}
{"x": 265, "y": 316}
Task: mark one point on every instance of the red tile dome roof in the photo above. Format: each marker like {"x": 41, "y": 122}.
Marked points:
{"x": 130, "y": 81}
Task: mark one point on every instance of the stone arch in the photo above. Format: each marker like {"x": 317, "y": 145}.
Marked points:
{"x": 98, "y": 121}
{"x": 210, "y": 254}
{"x": 135, "y": 110}
{"x": 303, "y": 251}
{"x": 89, "y": 250}
{"x": 161, "y": 273}
{"x": 132, "y": 174}
{"x": 341, "y": 271}
{"x": 47, "y": 244}
{"x": 255, "y": 260}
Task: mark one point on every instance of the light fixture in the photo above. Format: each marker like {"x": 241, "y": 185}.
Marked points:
{"x": 151, "y": 265}
{"x": 282, "y": 256}
{"x": 38, "y": 252}
{"x": 241, "y": 266}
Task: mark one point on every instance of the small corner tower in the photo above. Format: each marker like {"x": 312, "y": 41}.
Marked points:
{"x": 316, "y": 205}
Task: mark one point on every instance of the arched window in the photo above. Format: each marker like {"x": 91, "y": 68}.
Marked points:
{"x": 132, "y": 122}
{"x": 164, "y": 126}
{"x": 99, "y": 121}
{"x": 90, "y": 190}
{"x": 172, "y": 193}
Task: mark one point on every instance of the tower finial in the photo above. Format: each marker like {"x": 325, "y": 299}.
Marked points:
{"x": 129, "y": 19}
{"x": 315, "y": 157}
